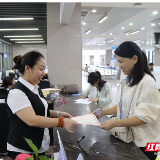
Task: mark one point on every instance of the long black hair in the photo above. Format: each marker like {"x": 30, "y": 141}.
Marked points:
{"x": 30, "y": 59}
{"x": 7, "y": 81}
{"x": 127, "y": 50}
{"x": 93, "y": 78}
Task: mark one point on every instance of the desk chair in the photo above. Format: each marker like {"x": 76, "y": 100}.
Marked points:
{"x": 44, "y": 83}
{"x": 12, "y": 74}
{"x": 4, "y": 127}
{"x": 3, "y": 92}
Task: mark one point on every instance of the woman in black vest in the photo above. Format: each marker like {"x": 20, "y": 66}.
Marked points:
{"x": 28, "y": 110}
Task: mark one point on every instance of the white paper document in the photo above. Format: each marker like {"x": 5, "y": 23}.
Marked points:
{"x": 89, "y": 119}
{"x": 83, "y": 101}
{"x": 62, "y": 153}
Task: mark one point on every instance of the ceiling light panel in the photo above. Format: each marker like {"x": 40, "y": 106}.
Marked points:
{"x": 142, "y": 28}
{"x": 23, "y": 36}
{"x": 134, "y": 32}
{"x": 88, "y": 31}
{"x": 155, "y": 12}
{"x": 84, "y": 23}
{"x": 13, "y": 19}
{"x": 20, "y": 29}
{"x": 131, "y": 24}
{"x": 31, "y": 42}
{"x": 122, "y": 28}
{"x": 93, "y": 10}
{"x": 103, "y": 18}
{"x": 35, "y": 39}
{"x": 153, "y": 24}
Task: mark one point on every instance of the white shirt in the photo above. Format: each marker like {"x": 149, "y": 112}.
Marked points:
{"x": 105, "y": 95}
{"x": 18, "y": 100}
{"x": 142, "y": 101}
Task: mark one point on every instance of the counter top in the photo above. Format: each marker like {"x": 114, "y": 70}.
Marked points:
{"x": 98, "y": 144}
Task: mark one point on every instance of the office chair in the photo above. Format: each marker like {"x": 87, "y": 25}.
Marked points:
{"x": 44, "y": 83}
{"x": 3, "y": 92}
{"x": 12, "y": 74}
{"x": 4, "y": 126}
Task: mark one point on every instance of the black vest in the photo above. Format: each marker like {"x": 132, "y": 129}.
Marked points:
{"x": 19, "y": 129}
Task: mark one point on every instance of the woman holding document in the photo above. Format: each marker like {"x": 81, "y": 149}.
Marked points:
{"x": 28, "y": 109}
{"x": 138, "y": 98}
{"x": 99, "y": 91}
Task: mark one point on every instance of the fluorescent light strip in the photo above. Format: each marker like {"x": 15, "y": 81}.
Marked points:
{"x": 104, "y": 18}
{"x": 31, "y": 42}
{"x": 6, "y": 19}
{"x": 35, "y": 39}
{"x": 110, "y": 41}
{"x": 134, "y": 32}
{"x": 136, "y": 41}
{"x": 20, "y": 29}
{"x": 88, "y": 31}
{"x": 23, "y": 36}
{"x": 100, "y": 44}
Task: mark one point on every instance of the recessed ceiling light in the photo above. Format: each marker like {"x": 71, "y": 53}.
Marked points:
{"x": 142, "y": 28}
{"x": 20, "y": 29}
{"x": 93, "y": 10}
{"x": 12, "y": 19}
{"x": 158, "y": 23}
{"x": 84, "y": 23}
{"x": 24, "y": 36}
{"x": 155, "y": 12}
{"x": 122, "y": 28}
{"x": 131, "y": 24}
{"x": 110, "y": 33}
{"x": 127, "y": 34}
{"x": 153, "y": 24}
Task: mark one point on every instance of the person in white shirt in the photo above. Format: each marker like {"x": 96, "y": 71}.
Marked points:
{"x": 99, "y": 91}
{"x": 138, "y": 106}
{"x": 29, "y": 114}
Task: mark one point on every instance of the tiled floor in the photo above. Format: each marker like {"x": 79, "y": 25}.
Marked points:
{"x": 110, "y": 79}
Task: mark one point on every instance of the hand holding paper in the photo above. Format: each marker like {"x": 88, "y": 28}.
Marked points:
{"x": 89, "y": 119}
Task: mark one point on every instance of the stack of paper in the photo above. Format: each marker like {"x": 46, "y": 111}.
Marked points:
{"x": 83, "y": 101}
{"x": 47, "y": 91}
{"x": 89, "y": 119}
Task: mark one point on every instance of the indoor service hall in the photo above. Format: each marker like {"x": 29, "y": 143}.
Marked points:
{"x": 79, "y": 80}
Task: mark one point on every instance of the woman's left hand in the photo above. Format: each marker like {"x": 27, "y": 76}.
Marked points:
{"x": 107, "y": 125}
{"x": 64, "y": 115}
{"x": 94, "y": 99}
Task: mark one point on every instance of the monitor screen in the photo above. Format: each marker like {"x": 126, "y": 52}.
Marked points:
{"x": 46, "y": 70}
{"x": 5, "y": 55}
{"x": 157, "y": 38}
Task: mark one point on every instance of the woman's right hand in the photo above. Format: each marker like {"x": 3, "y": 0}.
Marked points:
{"x": 94, "y": 112}
{"x": 69, "y": 124}
{"x": 84, "y": 96}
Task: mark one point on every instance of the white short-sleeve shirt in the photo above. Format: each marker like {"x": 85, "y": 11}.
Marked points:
{"x": 18, "y": 100}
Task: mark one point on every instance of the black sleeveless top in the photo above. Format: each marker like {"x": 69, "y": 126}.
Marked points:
{"x": 19, "y": 129}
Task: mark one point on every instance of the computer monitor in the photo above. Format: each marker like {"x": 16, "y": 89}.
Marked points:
{"x": 157, "y": 38}
{"x": 46, "y": 70}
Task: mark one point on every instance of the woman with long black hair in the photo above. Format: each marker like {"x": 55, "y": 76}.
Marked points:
{"x": 99, "y": 91}
{"x": 138, "y": 101}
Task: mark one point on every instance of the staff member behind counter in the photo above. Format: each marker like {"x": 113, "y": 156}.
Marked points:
{"x": 140, "y": 98}
{"x": 99, "y": 91}
{"x": 29, "y": 114}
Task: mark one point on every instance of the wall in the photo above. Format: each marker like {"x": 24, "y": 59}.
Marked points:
{"x": 108, "y": 56}
{"x": 21, "y": 49}
{"x": 156, "y": 56}
{"x": 64, "y": 46}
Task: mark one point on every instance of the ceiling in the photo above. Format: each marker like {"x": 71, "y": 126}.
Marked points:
{"x": 23, "y": 10}
{"x": 120, "y": 15}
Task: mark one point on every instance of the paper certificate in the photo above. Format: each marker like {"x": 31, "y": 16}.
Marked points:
{"x": 89, "y": 119}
